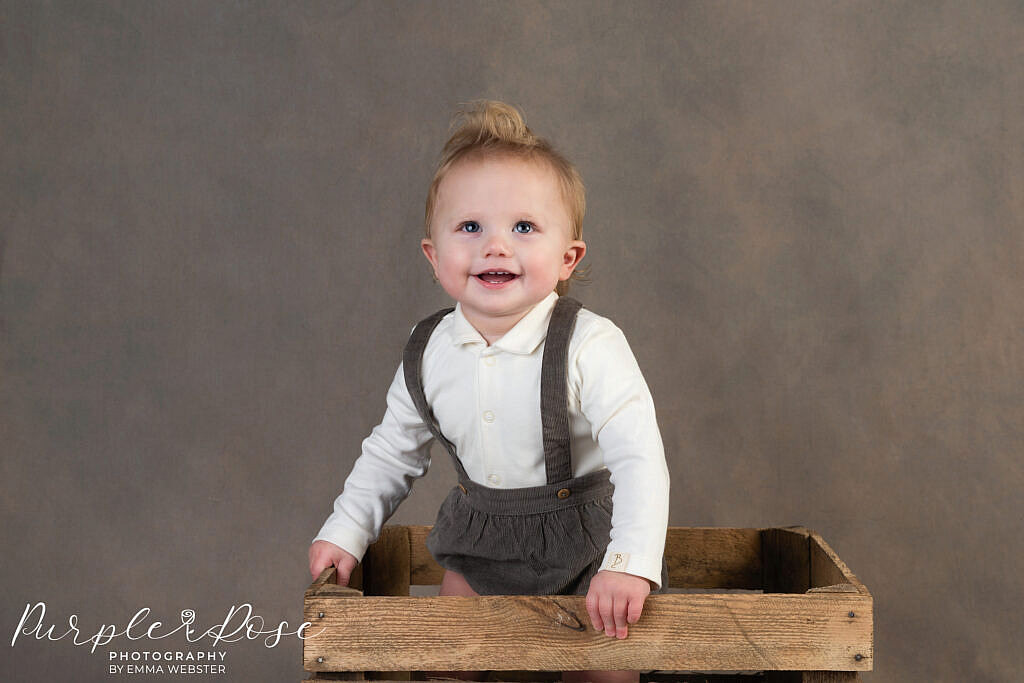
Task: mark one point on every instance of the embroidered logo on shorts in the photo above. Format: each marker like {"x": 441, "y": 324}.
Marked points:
{"x": 617, "y": 562}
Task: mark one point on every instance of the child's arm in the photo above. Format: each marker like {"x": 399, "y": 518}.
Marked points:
{"x": 393, "y": 456}
{"x": 617, "y": 403}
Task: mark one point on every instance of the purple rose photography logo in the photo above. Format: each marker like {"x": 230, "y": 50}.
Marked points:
{"x": 240, "y": 623}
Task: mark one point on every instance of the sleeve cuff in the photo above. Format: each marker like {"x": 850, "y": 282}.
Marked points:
{"x": 643, "y": 566}
{"x": 351, "y": 541}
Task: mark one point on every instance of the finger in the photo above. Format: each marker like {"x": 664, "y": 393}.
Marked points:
{"x": 608, "y": 615}
{"x": 620, "y": 617}
{"x": 636, "y": 607}
{"x": 317, "y": 567}
{"x": 345, "y": 567}
{"x": 592, "y": 610}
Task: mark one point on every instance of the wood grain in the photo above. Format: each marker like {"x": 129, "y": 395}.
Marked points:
{"x": 707, "y": 557}
{"x": 827, "y": 568}
{"x": 424, "y": 571}
{"x": 786, "y": 561}
{"x": 386, "y": 563}
{"x": 707, "y": 632}
{"x": 771, "y": 677}
{"x": 813, "y": 622}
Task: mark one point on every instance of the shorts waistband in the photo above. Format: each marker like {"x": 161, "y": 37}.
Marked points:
{"x": 535, "y": 499}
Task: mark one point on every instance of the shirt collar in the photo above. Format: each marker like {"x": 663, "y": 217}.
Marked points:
{"x": 523, "y": 338}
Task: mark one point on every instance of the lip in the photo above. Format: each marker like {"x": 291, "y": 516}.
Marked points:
{"x": 497, "y": 271}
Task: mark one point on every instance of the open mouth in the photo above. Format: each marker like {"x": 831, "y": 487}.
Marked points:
{"x": 497, "y": 277}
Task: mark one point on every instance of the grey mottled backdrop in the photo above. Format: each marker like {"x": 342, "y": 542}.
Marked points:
{"x": 806, "y": 216}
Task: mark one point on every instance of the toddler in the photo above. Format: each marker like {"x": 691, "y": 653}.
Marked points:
{"x": 563, "y": 486}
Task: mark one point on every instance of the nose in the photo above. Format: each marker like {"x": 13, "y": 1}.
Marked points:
{"x": 497, "y": 244}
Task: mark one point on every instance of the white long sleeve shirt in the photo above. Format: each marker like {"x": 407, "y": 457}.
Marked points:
{"x": 487, "y": 402}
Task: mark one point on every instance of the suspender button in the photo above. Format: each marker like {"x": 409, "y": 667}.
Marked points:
{"x": 564, "y": 493}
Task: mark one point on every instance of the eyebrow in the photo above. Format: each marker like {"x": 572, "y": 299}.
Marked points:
{"x": 520, "y": 216}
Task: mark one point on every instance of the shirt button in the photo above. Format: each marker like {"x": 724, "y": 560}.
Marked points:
{"x": 494, "y": 479}
{"x": 489, "y": 361}
{"x": 488, "y": 416}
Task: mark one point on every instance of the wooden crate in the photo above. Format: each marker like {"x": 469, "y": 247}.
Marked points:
{"x": 775, "y": 604}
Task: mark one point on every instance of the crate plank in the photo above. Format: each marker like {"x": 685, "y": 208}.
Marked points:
{"x": 386, "y": 571}
{"x": 784, "y": 677}
{"x": 329, "y": 600}
{"x": 786, "y": 560}
{"x": 327, "y": 582}
{"x": 677, "y": 632}
{"x": 811, "y": 677}
{"x": 834, "y": 588}
{"x": 708, "y": 557}
{"x": 824, "y": 570}
{"x": 386, "y": 563}
{"x": 423, "y": 570}
{"x": 826, "y": 567}
{"x": 327, "y": 576}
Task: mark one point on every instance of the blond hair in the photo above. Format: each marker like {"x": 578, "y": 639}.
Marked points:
{"x": 487, "y": 128}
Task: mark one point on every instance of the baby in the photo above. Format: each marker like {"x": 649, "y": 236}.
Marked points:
{"x": 563, "y": 486}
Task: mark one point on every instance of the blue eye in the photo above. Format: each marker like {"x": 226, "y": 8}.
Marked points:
{"x": 470, "y": 226}
{"x": 523, "y": 227}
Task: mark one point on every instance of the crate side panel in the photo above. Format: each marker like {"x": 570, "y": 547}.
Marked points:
{"x": 386, "y": 563}
{"x": 811, "y": 677}
{"x": 713, "y": 557}
{"x": 827, "y": 568}
{"x": 786, "y": 560}
{"x": 736, "y": 632}
{"x": 423, "y": 570}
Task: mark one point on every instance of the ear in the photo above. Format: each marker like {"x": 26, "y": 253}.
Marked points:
{"x": 430, "y": 252}
{"x": 574, "y": 253}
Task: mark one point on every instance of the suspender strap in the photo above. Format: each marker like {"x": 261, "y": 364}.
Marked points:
{"x": 412, "y": 365}
{"x": 554, "y": 399}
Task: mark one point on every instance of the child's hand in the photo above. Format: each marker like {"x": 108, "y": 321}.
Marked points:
{"x": 614, "y": 599}
{"x": 323, "y": 554}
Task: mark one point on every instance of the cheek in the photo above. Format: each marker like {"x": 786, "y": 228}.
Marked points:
{"x": 554, "y": 258}
{"x": 451, "y": 265}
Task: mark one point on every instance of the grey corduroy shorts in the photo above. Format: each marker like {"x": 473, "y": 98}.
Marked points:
{"x": 525, "y": 541}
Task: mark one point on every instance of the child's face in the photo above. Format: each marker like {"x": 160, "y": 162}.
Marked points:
{"x": 500, "y": 239}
